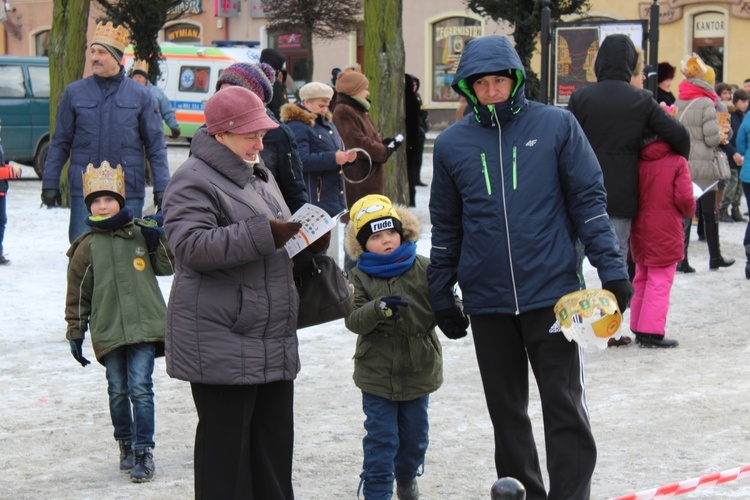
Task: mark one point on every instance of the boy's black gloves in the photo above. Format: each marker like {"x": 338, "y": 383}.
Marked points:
{"x": 151, "y": 229}
{"x": 51, "y": 198}
{"x": 622, "y": 290}
{"x": 388, "y": 306}
{"x": 453, "y": 322}
{"x": 76, "y": 349}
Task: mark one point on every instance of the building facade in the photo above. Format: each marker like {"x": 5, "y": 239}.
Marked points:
{"x": 434, "y": 32}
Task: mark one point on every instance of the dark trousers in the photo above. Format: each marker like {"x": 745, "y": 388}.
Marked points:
{"x": 505, "y": 345}
{"x": 244, "y": 441}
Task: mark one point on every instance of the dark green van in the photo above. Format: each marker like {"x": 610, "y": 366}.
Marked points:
{"x": 24, "y": 109}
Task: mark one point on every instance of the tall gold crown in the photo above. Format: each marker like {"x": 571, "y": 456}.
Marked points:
{"x": 104, "y": 178}
{"x": 139, "y": 65}
{"x": 107, "y": 34}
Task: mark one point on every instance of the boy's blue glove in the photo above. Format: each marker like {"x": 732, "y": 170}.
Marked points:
{"x": 76, "y": 349}
{"x": 453, "y": 322}
{"x": 389, "y": 305}
{"x": 151, "y": 229}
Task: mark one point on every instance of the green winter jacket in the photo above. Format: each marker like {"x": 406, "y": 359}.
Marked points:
{"x": 399, "y": 359}
{"x": 112, "y": 289}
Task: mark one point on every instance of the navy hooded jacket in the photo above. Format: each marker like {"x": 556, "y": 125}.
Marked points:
{"x": 513, "y": 185}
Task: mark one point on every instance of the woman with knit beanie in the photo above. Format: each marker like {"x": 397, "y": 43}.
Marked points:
{"x": 696, "y": 104}
{"x": 357, "y": 130}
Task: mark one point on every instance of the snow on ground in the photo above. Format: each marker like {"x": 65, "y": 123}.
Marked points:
{"x": 658, "y": 416}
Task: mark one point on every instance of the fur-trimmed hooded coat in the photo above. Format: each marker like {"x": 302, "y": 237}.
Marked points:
{"x": 398, "y": 359}
{"x": 318, "y": 140}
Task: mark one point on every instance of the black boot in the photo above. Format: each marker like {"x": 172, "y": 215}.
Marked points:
{"x": 126, "y": 455}
{"x": 407, "y": 490}
{"x": 712, "y": 237}
{"x": 143, "y": 470}
{"x": 747, "y": 264}
{"x": 737, "y": 215}
{"x": 684, "y": 267}
{"x": 653, "y": 340}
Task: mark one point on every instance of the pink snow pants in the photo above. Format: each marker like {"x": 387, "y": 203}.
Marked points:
{"x": 650, "y": 302}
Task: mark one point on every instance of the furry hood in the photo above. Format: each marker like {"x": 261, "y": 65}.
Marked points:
{"x": 299, "y": 113}
{"x": 409, "y": 223}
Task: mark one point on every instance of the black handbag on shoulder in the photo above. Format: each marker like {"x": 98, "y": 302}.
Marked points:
{"x": 324, "y": 293}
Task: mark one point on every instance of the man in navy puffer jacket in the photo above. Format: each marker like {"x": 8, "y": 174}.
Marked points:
{"x": 515, "y": 182}
{"x": 105, "y": 117}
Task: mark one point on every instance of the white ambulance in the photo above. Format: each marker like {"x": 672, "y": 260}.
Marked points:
{"x": 189, "y": 74}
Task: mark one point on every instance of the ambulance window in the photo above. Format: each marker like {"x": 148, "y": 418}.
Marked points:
{"x": 194, "y": 79}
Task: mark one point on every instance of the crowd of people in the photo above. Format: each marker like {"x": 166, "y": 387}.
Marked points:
{"x": 527, "y": 187}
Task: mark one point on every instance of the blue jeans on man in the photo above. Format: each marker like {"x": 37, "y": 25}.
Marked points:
{"x": 395, "y": 443}
{"x": 129, "y": 376}
{"x": 79, "y": 213}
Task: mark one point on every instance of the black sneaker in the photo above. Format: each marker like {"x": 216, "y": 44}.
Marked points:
{"x": 407, "y": 490}
{"x": 652, "y": 340}
{"x": 143, "y": 470}
{"x": 4, "y": 261}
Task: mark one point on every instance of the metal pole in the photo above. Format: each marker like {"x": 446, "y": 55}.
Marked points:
{"x": 544, "y": 75}
{"x": 653, "y": 48}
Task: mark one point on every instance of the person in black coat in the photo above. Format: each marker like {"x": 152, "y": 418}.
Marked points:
{"x": 416, "y": 129}
{"x": 276, "y": 60}
{"x": 665, "y": 74}
{"x": 614, "y": 115}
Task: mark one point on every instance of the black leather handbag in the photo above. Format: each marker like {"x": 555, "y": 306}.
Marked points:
{"x": 324, "y": 293}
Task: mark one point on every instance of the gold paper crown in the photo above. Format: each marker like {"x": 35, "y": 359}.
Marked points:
{"x": 694, "y": 67}
{"x": 107, "y": 34}
{"x": 140, "y": 66}
{"x": 104, "y": 178}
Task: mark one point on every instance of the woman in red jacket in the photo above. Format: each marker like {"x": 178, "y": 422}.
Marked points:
{"x": 656, "y": 239}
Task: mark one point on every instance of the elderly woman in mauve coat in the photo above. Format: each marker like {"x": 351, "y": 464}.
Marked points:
{"x": 232, "y": 318}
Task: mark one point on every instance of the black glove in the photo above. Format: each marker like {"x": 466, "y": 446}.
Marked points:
{"x": 158, "y": 198}
{"x": 321, "y": 244}
{"x": 283, "y": 231}
{"x": 76, "y": 349}
{"x": 388, "y": 306}
{"x": 151, "y": 229}
{"x": 622, "y": 290}
{"x": 51, "y": 198}
{"x": 453, "y": 322}
{"x": 175, "y": 132}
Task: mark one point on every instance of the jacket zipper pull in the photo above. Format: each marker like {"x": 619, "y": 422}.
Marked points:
{"x": 515, "y": 177}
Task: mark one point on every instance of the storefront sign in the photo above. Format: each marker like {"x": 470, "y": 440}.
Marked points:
{"x": 188, "y": 7}
{"x": 667, "y": 13}
{"x": 183, "y": 33}
{"x": 709, "y": 25}
{"x": 449, "y": 37}
{"x": 226, "y": 8}
{"x": 289, "y": 41}
{"x": 256, "y": 9}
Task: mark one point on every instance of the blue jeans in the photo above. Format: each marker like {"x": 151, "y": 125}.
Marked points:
{"x": 396, "y": 443}
{"x": 129, "y": 371}
{"x": 79, "y": 213}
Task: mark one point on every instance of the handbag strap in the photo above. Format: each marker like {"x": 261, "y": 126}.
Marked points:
{"x": 685, "y": 110}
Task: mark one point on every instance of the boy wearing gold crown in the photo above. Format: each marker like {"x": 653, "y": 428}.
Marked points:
{"x": 398, "y": 361}
{"x": 112, "y": 290}
{"x": 105, "y": 117}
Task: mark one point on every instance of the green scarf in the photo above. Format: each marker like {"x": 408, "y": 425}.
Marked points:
{"x": 364, "y": 102}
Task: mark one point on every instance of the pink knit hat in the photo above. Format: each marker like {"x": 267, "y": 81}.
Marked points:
{"x": 238, "y": 111}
